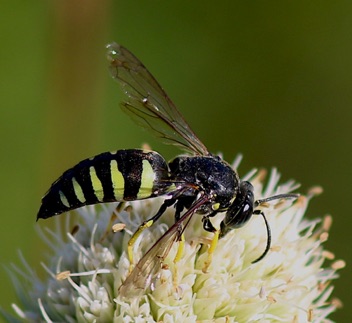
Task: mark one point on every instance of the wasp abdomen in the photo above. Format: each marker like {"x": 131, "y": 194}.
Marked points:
{"x": 123, "y": 175}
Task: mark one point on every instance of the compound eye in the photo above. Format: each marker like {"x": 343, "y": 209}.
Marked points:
{"x": 238, "y": 215}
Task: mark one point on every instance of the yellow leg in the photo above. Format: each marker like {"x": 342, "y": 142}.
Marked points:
{"x": 133, "y": 239}
{"x": 180, "y": 249}
{"x": 211, "y": 250}
{"x": 179, "y": 253}
{"x": 145, "y": 225}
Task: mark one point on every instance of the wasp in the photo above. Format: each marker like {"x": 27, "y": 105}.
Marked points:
{"x": 197, "y": 182}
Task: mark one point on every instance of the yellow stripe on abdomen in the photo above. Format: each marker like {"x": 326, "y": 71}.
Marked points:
{"x": 78, "y": 191}
{"x": 63, "y": 199}
{"x": 117, "y": 179}
{"x": 147, "y": 180}
{"x": 96, "y": 183}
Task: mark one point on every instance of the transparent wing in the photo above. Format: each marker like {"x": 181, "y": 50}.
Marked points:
{"x": 146, "y": 270}
{"x": 148, "y": 104}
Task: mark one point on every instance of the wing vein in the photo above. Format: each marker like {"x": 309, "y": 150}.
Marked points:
{"x": 148, "y": 104}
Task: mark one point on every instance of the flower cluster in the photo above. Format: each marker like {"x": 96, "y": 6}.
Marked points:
{"x": 86, "y": 268}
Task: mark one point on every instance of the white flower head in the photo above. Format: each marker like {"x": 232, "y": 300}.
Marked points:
{"x": 85, "y": 271}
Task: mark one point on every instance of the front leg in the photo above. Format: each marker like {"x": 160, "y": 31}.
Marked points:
{"x": 207, "y": 225}
{"x": 212, "y": 246}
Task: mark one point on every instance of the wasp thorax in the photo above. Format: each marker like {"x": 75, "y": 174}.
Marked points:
{"x": 209, "y": 174}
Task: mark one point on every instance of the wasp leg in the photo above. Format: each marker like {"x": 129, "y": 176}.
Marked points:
{"x": 179, "y": 253}
{"x": 208, "y": 226}
{"x": 181, "y": 246}
{"x": 146, "y": 224}
{"x": 213, "y": 244}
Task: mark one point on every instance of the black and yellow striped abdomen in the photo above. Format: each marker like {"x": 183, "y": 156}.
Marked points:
{"x": 124, "y": 175}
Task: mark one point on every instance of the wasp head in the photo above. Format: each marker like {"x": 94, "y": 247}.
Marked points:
{"x": 240, "y": 211}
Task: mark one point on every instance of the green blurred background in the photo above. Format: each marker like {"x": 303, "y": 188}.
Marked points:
{"x": 271, "y": 80}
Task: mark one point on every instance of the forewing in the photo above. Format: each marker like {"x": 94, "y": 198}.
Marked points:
{"x": 146, "y": 270}
{"x": 148, "y": 104}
